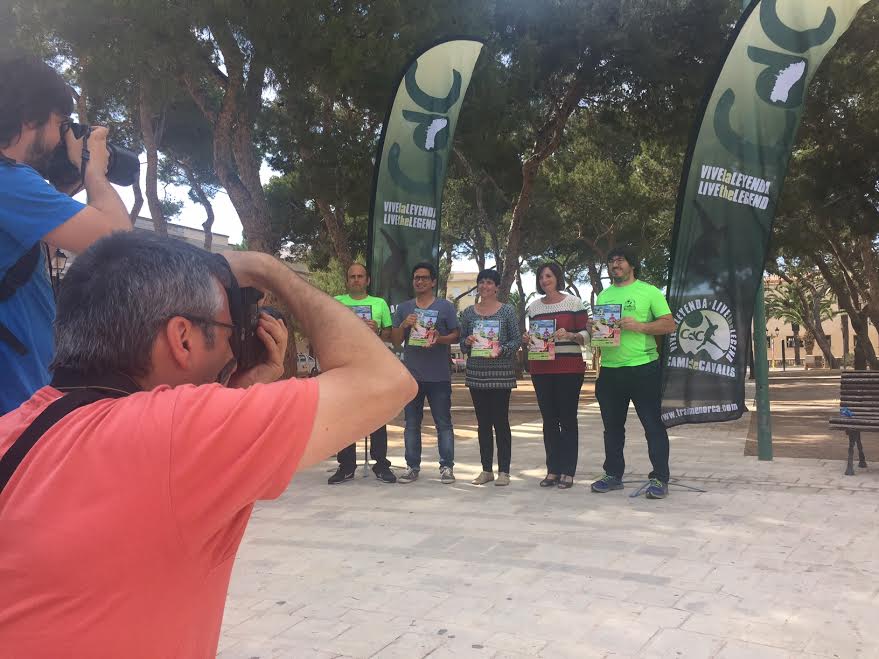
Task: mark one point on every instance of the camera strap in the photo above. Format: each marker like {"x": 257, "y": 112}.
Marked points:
{"x": 79, "y": 391}
{"x": 86, "y": 155}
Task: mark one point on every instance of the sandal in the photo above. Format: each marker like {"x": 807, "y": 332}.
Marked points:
{"x": 549, "y": 481}
{"x": 565, "y": 484}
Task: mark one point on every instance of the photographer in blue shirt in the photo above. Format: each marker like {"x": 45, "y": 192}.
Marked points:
{"x": 35, "y": 108}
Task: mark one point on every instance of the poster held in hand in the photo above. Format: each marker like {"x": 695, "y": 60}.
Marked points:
{"x": 606, "y": 325}
{"x": 363, "y": 311}
{"x": 541, "y": 340}
{"x": 487, "y": 333}
{"x": 423, "y": 333}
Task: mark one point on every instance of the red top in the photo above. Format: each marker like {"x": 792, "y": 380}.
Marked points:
{"x": 569, "y": 314}
{"x": 119, "y": 529}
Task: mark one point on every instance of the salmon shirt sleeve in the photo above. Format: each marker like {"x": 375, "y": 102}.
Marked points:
{"x": 232, "y": 447}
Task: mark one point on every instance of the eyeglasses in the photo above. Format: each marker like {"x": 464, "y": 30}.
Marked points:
{"x": 616, "y": 259}
{"x": 200, "y": 320}
{"x": 422, "y": 278}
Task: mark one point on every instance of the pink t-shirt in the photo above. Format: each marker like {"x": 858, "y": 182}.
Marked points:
{"x": 119, "y": 530}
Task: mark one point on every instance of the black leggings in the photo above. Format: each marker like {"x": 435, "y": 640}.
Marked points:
{"x": 492, "y": 408}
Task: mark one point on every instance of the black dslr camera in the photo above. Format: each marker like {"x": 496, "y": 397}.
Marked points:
{"x": 252, "y": 349}
{"x": 123, "y": 167}
{"x": 247, "y": 348}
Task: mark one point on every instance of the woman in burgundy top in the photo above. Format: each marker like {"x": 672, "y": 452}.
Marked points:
{"x": 557, "y": 382}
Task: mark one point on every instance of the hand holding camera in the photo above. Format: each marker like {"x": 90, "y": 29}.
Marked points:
{"x": 272, "y": 333}
{"x": 99, "y": 156}
{"x": 103, "y": 159}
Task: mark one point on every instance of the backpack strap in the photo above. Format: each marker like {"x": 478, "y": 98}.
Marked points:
{"x": 20, "y": 272}
{"x": 81, "y": 393}
{"x": 16, "y": 277}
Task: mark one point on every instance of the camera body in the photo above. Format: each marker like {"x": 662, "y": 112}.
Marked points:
{"x": 252, "y": 351}
{"x": 123, "y": 166}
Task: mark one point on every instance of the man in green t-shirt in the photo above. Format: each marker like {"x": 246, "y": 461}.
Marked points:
{"x": 377, "y": 316}
{"x": 630, "y": 372}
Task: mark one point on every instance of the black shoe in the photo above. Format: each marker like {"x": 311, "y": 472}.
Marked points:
{"x": 386, "y": 476}
{"x": 340, "y": 476}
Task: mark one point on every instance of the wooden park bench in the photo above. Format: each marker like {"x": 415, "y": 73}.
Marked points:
{"x": 859, "y": 394}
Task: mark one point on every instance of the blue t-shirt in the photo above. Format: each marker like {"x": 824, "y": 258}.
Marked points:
{"x": 29, "y": 209}
{"x": 429, "y": 364}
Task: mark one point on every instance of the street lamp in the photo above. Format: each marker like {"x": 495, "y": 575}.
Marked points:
{"x": 59, "y": 260}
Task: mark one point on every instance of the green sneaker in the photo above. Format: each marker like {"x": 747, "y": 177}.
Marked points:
{"x": 657, "y": 489}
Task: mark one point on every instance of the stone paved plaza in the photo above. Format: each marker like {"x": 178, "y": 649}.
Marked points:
{"x": 776, "y": 559}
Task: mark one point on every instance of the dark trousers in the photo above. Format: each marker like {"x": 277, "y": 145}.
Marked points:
{"x": 558, "y": 397}
{"x": 492, "y": 407}
{"x": 614, "y": 389}
{"x": 378, "y": 451}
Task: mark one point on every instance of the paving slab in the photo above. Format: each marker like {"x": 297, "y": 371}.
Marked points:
{"x": 774, "y": 559}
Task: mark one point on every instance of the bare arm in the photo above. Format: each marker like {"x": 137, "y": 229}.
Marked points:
{"x": 659, "y": 327}
{"x": 448, "y": 339}
{"x": 399, "y": 333}
{"x": 105, "y": 212}
{"x": 371, "y": 367}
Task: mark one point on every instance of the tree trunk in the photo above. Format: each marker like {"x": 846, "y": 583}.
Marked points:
{"x": 138, "y": 201}
{"x": 818, "y": 330}
{"x": 824, "y": 344}
{"x": 548, "y": 138}
{"x": 235, "y": 159}
{"x": 843, "y": 321}
{"x": 847, "y": 301}
{"x": 333, "y": 220}
{"x": 795, "y": 328}
{"x": 520, "y": 314}
{"x": 197, "y": 188}
{"x": 151, "y": 144}
{"x": 595, "y": 278}
{"x": 445, "y": 269}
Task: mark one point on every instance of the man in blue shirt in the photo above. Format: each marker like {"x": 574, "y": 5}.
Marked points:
{"x": 429, "y": 326}
{"x": 35, "y": 105}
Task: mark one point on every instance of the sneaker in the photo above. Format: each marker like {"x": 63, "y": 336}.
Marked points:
{"x": 386, "y": 476}
{"x": 503, "y": 478}
{"x": 607, "y": 483}
{"x": 446, "y": 475}
{"x": 483, "y": 478}
{"x": 340, "y": 476}
{"x": 657, "y": 489}
{"x": 409, "y": 475}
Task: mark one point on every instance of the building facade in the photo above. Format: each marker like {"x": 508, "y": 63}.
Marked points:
{"x": 838, "y": 331}
{"x": 461, "y": 285}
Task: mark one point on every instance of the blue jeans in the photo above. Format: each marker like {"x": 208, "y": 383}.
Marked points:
{"x": 439, "y": 397}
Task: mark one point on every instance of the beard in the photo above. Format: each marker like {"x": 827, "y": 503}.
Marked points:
{"x": 40, "y": 154}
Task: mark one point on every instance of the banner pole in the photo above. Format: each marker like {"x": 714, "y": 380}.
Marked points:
{"x": 761, "y": 375}
{"x": 761, "y": 366}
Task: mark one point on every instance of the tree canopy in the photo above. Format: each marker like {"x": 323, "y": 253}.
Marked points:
{"x": 571, "y": 138}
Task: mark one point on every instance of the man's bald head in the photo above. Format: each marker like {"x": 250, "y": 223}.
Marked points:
{"x": 357, "y": 280}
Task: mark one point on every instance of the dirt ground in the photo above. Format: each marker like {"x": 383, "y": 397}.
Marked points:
{"x": 802, "y": 402}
